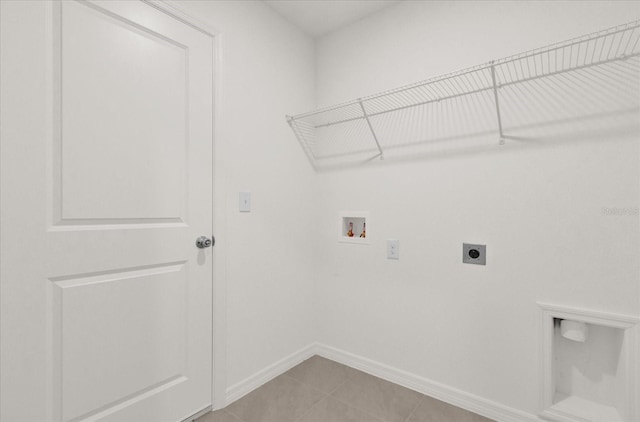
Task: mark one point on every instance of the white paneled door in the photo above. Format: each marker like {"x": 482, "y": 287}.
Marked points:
{"x": 106, "y": 183}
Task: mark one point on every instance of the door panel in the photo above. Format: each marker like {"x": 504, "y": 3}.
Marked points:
{"x": 124, "y": 124}
{"x": 106, "y": 183}
{"x": 151, "y": 321}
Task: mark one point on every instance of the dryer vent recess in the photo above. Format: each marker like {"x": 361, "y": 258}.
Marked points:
{"x": 474, "y": 254}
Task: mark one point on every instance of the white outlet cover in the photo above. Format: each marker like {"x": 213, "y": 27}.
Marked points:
{"x": 393, "y": 249}
{"x": 245, "y": 201}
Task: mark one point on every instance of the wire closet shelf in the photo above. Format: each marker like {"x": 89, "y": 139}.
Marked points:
{"x": 479, "y": 98}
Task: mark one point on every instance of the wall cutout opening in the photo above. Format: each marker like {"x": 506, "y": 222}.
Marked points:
{"x": 354, "y": 227}
{"x": 588, "y": 366}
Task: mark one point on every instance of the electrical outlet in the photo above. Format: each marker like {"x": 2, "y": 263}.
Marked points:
{"x": 393, "y": 249}
{"x": 245, "y": 201}
{"x": 474, "y": 254}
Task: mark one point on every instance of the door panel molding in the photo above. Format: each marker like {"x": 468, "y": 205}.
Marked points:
{"x": 88, "y": 167}
{"x": 130, "y": 400}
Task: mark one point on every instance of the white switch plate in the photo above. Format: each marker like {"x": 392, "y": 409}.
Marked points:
{"x": 245, "y": 201}
{"x": 393, "y": 249}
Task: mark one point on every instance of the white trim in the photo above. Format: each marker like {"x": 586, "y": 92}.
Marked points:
{"x": 459, "y": 398}
{"x": 196, "y": 415}
{"x": 171, "y": 8}
{"x": 220, "y": 230}
{"x": 265, "y": 375}
{"x": 590, "y": 316}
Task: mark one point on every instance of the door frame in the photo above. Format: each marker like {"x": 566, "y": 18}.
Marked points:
{"x": 218, "y": 358}
{"x": 218, "y": 335}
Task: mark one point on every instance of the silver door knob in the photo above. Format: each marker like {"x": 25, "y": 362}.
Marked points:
{"x": 204, "y": 242}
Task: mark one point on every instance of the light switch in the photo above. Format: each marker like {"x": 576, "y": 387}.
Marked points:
{"x": 393, "y": 249}
{"x": 245, "y": 201}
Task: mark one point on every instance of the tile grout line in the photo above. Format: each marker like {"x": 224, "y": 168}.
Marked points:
{"x": 363, "y": 410}
{"x": 339, "y": 385}
{"x": 295, "y": 380}
{"x": 234, "y": 415}
{"x": 330, "y": 394}
{"x": 366, "y": 411}
{"x": 311, "y": 408}
{"x": 311, "y": 387}
{"x": 350, "y": 378}
{"x": 390, "y": 382}
{"x": 301, "y": 383}
{"x": 327, "y": 395}
{"x": 415, "y": 408}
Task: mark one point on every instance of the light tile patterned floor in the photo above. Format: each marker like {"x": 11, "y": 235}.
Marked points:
{"x": 320, "y": 390}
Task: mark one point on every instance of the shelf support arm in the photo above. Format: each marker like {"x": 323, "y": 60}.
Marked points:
{"x": 373, "y": 133}
{"x": 495, "y": 94}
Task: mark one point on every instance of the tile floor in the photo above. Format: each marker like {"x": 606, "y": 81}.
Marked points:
{"x": 320, "y": 390}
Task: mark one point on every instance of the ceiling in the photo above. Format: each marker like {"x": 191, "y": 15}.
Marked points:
{"x": 319, "y": 17}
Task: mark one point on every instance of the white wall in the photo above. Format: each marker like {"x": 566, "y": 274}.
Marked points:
{"x": 538, "y": 209}
{"x": 266, "y": 69}
{"x": 471, "y": 328}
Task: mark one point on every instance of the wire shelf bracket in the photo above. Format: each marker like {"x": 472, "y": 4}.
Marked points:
{"x": 495, "y": 94}
{"x": 373, "y": 132}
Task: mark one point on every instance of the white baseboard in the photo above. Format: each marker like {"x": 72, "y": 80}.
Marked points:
{"x": 464, "y": 400}
{"x": 265, "y": 375}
